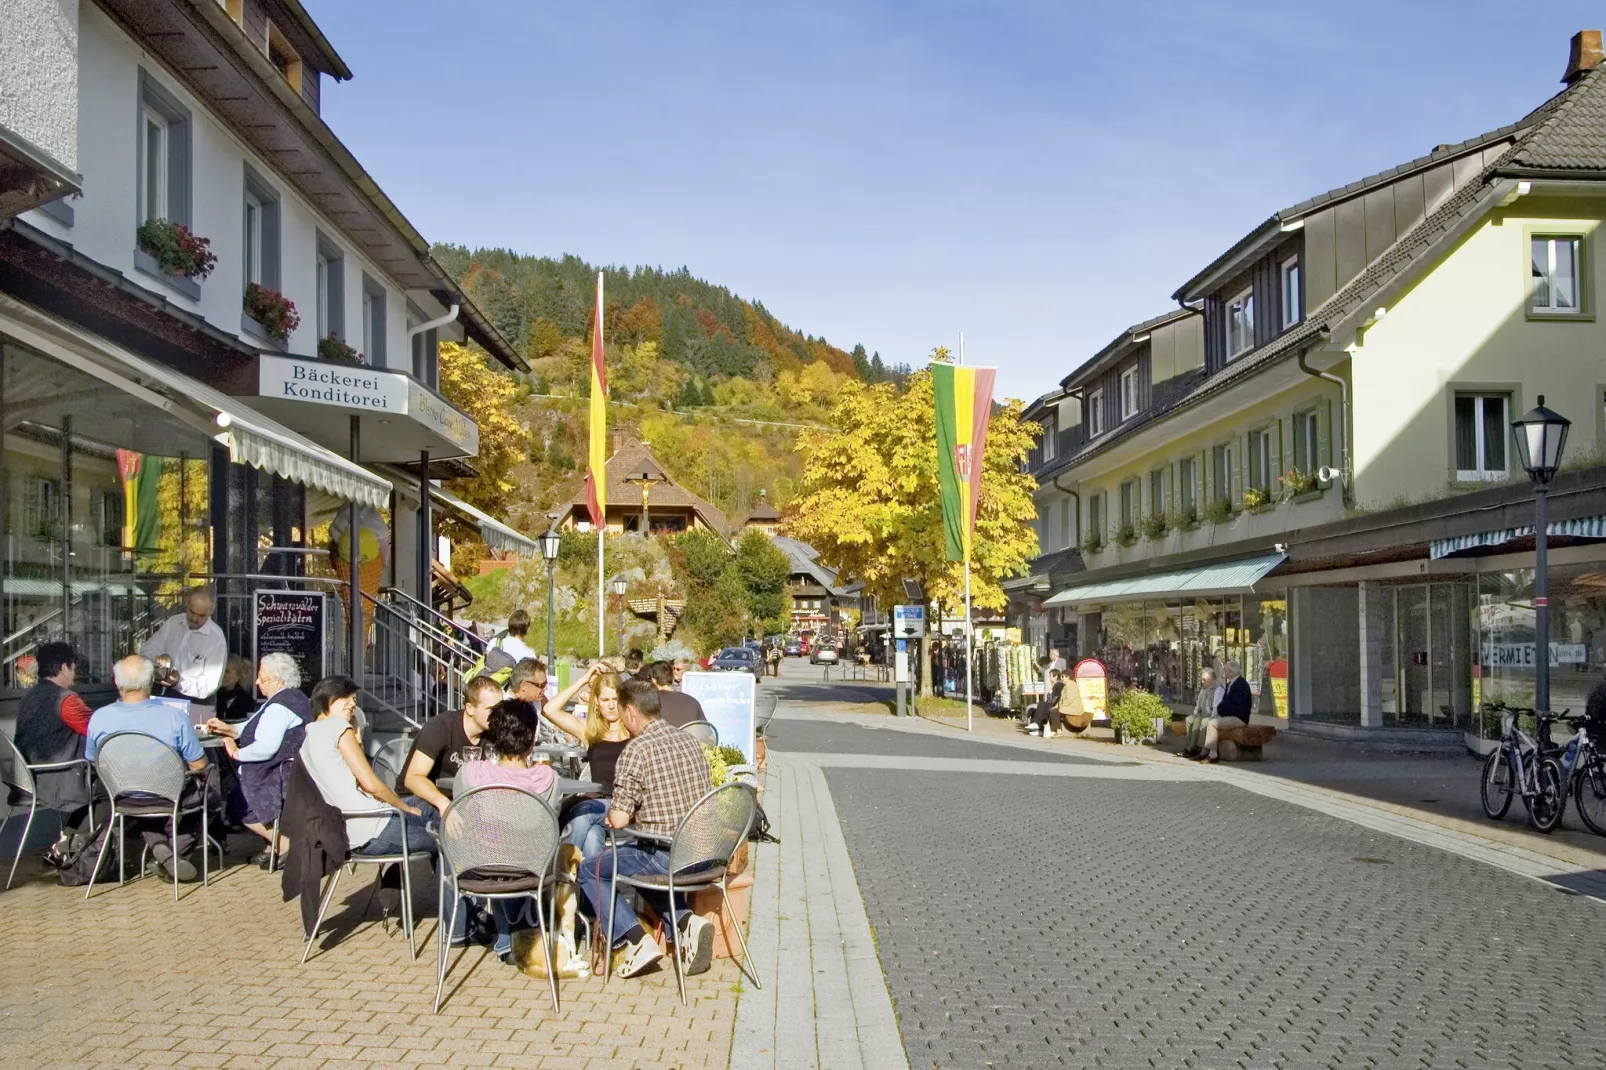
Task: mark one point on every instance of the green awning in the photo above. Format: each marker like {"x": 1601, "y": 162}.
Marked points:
{"x": 1238, "y": 576}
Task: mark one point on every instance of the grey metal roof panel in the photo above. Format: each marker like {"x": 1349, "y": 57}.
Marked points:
{"x": 1118, "y": 345}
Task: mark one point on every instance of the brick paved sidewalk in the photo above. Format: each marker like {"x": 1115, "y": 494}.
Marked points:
{"x": 132, "y": 979}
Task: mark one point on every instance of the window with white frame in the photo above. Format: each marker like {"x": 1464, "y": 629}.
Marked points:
{"x": 1240, "y": 323}
{"x": 330, "y": 289}
{"x": 1095, "y": 517}
{"x": 1307, "y": 443}
{"x": 1050, "y": 438}
{"x": 1067, "y": 523}
{"x": 261, "y": 223}
{"x": 1159, "y": 493}
{"x": 1128, "y": 502}
{"x": 1221, "y": 473}
{"x": 1129, "y": 393}
{"x": 1293, "y": 295}
{"x": 1482, "y": 425}
{"x": 1557, "y": 275}
{"x": 1095, "y": 413}
{"x": 373, "y": 322}
{"x": 1187, "y": 488}
{"x": 1259, "y": 474}
{"x": 253, "y": 238}
{"x": 163, "y": 144}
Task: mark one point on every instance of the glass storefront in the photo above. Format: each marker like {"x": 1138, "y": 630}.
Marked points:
{"x": 1162, "y": 646}
{"x": 1427, "y": 655}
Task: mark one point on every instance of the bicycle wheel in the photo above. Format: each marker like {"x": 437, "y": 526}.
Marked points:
{"x": 1589, "y": 792}
{"x": 1550, "y": 798}
{"x": 1497, "y": 785}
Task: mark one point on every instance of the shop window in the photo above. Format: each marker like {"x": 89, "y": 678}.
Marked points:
{"x": 1482, "y": 425}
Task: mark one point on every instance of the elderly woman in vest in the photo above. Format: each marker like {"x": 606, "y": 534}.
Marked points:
{"x": 51, "y": 723}
{"x": 265, "y": 743}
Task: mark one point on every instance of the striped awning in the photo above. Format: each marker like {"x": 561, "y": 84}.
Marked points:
{"x": 1237, "y": 576}
{"x": 1589, "y": 527}
{"x": 493, "y": 533}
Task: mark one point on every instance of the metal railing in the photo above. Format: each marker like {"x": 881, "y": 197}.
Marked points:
{"x": 415, "y": 671}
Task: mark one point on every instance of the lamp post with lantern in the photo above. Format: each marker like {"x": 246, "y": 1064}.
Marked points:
{"x": 550, "y": 544}
{"x": 1541, "y": 436}
{"x": 619, "y": 586}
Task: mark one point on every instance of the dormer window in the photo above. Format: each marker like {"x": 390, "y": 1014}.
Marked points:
{"x": 1240, "y": 324}
{"x": 1050, "y": 443}
{"x": 1293, "y": 295}
{"x": 282, "y": 56}
{"x": 1095, "y": 413}
{"x": 1129, "y": 393}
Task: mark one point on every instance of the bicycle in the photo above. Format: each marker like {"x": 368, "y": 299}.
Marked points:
{"x": 1519, "y": 766}
{"x": 1582, "y": 767}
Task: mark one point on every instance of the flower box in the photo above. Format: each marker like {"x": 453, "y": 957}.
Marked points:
{"x": 272, "y": 311}
{"x": 174, "y": 250}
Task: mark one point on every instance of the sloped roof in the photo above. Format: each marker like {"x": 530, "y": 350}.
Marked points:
{"x": 1573, "y": 129}
{"x": 631, "y": 461}
{"x": 762, "y": 512}
{"x": 805, "y": 562}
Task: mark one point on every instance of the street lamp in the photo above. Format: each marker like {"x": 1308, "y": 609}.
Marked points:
{"x": 619, "y": 585}
{"x": 1541, "y": 436}
{"x": 550, "y": 543}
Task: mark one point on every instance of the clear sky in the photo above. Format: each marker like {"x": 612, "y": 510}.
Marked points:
{"x": 1037, "y": 174}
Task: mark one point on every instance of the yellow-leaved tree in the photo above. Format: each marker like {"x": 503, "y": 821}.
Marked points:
{"x": 488, "y": 396}
{"x": 869, "y": 501}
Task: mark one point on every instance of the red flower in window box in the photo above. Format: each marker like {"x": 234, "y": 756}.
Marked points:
{"x": 175, "y": 250}
{"x": 273, "y": 310}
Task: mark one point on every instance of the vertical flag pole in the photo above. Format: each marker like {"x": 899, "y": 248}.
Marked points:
{"x": 970, "y": 634}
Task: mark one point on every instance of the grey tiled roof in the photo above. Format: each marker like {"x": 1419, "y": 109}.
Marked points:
{"x": 1573, "y": 135}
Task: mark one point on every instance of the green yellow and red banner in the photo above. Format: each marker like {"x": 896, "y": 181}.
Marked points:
{"x": 141, "y": 477}
{"x": 596, "y": 471}
{"x": 964, "y": 406}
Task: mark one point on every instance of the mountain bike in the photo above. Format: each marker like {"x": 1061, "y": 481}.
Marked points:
{"x": 1518, "y": 767}
{"x": 1583, "y": 768}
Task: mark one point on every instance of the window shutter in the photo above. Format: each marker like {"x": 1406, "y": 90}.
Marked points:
{"x": 1281, "y": 465}
{"x": 1324, "y": 433}
{"x": 1240, "y": 467}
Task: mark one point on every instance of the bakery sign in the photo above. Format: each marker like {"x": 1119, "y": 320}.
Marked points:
{"x": 439, "y": 416}
{"x": 326, "y": 383}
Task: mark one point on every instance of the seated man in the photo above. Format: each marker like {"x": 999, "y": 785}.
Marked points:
{"x": 661, "y": 774}
{"x": 51, "y": 723}
{"x": 1045, "y": 716}
{"x": 1204, "y": 708}
{"x": 1232, "y": 712}
{"x": 136, "y": 711}
{"x": 438, "y": 749}
{"x": 529, "y": 683}
{"x": 678, "y": 709}
{"x": 265, "y": 743}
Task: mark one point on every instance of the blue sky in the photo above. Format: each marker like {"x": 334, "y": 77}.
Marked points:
{"x": 1036, "y": 174}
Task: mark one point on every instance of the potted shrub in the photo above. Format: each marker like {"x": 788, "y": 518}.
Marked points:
{"x": 1126, "y": 535}
{"x": 1136, "y": 715}
{"x": 175, "y": 250}
{"x": 339, "y": 350}
{"x": 1155, "y": 526}
{"x": 1220, "y": 511}
{"x": 273, "y": 310}
{"x": 1186, "y": 519}
{"x": 1256, "y": 499}
{"x": 1093, "y": 543}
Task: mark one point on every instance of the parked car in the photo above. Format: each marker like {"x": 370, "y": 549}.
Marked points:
{"x": 824, "y": 654}
{"x": 737, "y": 659}
{"x": 793, "y": 648}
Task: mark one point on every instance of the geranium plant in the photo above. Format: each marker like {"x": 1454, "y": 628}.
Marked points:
{"x": 1296, "y": 482}
{"x": 1255, "y": 498}
{"x": 273, "y": 310}
{"x": 175, "y": 250}
{"x": 339, "y": 350}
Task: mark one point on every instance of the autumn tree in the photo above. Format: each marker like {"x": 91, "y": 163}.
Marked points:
{"x": 869, "y": 501}
{"x": 488, "y": 397}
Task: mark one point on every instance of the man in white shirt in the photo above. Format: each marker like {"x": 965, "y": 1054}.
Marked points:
{"x": 518, "y": 626}
{"x": 195, "y": 645}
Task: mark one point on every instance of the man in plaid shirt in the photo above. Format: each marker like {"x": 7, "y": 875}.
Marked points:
{"x": 661, "y": 774}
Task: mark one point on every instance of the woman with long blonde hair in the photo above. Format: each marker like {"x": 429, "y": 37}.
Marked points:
{"x": 604, "y": 734}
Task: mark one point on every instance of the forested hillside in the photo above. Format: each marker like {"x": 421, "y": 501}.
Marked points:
{"x": 715, "y": 384}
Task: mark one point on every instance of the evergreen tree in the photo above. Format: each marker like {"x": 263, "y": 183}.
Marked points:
{"x": 878, "y": 371}
{"x": 861, "y": 362}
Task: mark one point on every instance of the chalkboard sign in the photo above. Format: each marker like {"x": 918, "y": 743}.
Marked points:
{"x": 727, "y": 699}
{"x": 291, "y": 622}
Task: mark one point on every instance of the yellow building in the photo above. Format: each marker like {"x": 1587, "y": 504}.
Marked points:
{"x": 1307, "y": 465}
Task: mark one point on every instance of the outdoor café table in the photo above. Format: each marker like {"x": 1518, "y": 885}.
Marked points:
{"x": 571, "y": 754}
{"x": 566, "y": 787}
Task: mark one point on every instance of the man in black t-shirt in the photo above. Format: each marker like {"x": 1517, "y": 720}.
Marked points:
{"x": 679, "y": 709}
{"x": 442, "y": 739}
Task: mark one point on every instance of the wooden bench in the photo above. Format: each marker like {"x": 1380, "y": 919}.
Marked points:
{"x": 1244, "y": 744}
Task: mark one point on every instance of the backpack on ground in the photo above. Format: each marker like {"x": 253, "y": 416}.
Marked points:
{"x": 77, "y": 851}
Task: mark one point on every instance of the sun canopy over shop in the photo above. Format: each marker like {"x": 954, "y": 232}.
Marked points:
{"x": 1221, "y": 577}
{"x": 1591, "y": 527}
{"x": 493, "y": 533}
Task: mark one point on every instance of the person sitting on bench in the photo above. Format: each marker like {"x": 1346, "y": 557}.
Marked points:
{"x": 1232, "y": 712}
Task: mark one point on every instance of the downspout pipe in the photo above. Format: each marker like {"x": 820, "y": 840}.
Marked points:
{"x": 1055, "y": 482}
{"x": 1343, "y": 429}
{"x": 439, "y": 321}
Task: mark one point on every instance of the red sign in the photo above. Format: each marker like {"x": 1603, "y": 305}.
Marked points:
{"x": 1092, "y": 681}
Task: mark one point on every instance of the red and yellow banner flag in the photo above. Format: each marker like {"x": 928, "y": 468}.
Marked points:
{"x": 596, "y": 471}
{"x": 141, "y": 476}
{"x": 964, "y": 408}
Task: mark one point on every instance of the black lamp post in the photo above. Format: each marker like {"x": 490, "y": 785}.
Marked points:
{"x": 550, "y": 544}
{"x": 1541, "y": 436}
{"x": 619, "y": 587}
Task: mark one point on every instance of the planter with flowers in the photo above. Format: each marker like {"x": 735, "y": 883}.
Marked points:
{"x": 270, "y": 311}
{"x": 340, "y": 351}
{"x": 1256, "y": 500}
{"x": 1299, "y": 485}
{"x": 170, "y": 252}
{"x": 1156, "y": 526}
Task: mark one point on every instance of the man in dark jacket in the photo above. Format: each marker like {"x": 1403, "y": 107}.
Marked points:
{"x": 1232, "y": 712}
{"x": 51, "y": 723}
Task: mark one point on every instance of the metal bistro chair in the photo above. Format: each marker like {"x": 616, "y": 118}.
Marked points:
{"x": 702, "y": 732}
{"x": 145, "y": 777}
{"x": 390, "y": 760}
{"x": 497, "y": 842}
{"x": 18, "y": 775}
{"x": 708, "y": 835}
{"x": 403, "y": 858}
